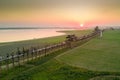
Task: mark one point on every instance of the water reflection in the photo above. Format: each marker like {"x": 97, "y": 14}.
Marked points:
{"x": 18, "y": 35}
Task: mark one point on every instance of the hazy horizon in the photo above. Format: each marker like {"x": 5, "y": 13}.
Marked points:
{"x": 60, "y": 13}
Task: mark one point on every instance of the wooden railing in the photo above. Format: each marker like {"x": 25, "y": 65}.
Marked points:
{"x": 24, "y": 55}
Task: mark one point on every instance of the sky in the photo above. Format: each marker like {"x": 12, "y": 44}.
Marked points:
{"x": 61, "y": 13}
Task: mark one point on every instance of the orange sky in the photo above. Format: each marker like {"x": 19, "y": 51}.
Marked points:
{"x": 61, "y": 12}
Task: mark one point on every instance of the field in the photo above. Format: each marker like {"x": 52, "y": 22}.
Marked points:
{"x": 99, "y": 54}
{"x": 98, "y": 59}
{"x": 12, "y": 46}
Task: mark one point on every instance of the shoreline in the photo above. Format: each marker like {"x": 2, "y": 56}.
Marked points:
{"x": 11, "y": 47}
{"x": 56, "y": 33}
{"x": 64, "y": 33}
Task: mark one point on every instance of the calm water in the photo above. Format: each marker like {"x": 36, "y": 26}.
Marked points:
{"x": 18, "y": 35}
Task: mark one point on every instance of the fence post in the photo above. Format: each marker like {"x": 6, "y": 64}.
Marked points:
{"x": 64, "y": 44}
{"x": 39, "y": 53}
{"x": 60, "y": 46}
{"x": 35, "y": 52}
{"x": 55, "y": 47}
{"x": 69, "y": 44}
{"x": 27, "y": 54}
{"x": 32, "y": 53}
{"x": 50, "y": 49}
{"x": 46, "y": 50}
{"x": 12, "y": 55}
{"x": 7, "y": 61}
{"x": 0, "y": 64}
{"x": 36, "y": 49}
{"x": 18, "y": 56}
{"x": 23, "y": 54}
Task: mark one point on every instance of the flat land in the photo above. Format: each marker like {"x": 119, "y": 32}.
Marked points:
{"x": 99, "y": 54}
{"x": 98, "y": 59}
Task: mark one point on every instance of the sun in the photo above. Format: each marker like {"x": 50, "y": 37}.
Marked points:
{"x": 81, "y": 25}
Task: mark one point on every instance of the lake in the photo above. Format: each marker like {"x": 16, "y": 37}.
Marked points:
{"x": 10, "y": 35}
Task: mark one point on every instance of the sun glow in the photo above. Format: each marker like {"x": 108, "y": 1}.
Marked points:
{"x": 81, "y": 25}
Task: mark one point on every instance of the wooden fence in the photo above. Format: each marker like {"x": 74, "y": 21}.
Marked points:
{"x": 24, "y": 55}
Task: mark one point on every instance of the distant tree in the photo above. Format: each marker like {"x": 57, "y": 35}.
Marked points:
{"x": 112, "y": 28}
{"x": 70, "y": 39}
{"x": 97, "y": 29}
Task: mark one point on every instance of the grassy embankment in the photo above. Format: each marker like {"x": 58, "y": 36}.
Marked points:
{"x": 98, "y": 57}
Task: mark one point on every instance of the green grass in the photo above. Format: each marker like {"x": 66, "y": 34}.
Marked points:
{"x": 85, "y": 62}
{"x": 47, "y": 68}
{"x": 97, "y": 55}
{"x": 12, "y": 46}
{"x": 110, "y": 77}
{"x": 28, "y": 68}
{"x": 54, "y": 70}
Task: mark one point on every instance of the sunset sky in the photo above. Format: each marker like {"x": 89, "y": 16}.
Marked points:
{"x": 63, "y": 13}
